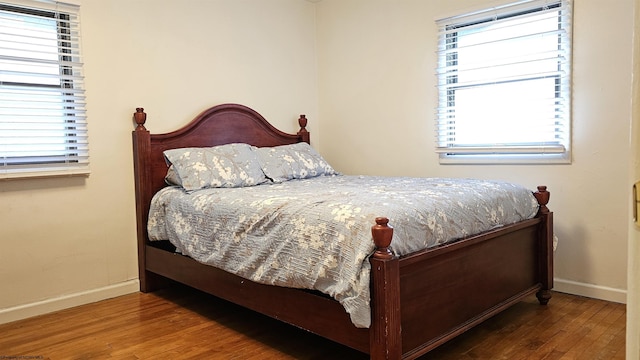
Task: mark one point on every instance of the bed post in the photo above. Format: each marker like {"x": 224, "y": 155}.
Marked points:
{"x": 546, "y": 245}
{"x": 141, "y": 154}
{"x": 384, "y": 332}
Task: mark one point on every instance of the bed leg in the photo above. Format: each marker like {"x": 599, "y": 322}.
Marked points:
{"x": 543, "y": 296}
{"x": 150, "y": 282}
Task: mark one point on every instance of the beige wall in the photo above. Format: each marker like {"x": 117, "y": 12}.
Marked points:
{"x": 71, "y": 240}
{"x": 377, "y": 98}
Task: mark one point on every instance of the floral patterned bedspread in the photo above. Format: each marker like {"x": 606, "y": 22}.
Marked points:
{"x": 316, "y": 233}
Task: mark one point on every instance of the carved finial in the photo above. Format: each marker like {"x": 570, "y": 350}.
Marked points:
{"x": 303, "y": 133}
{"x": 382, "y": 234}
{"x": 542, "y": 195}
{"x": 140, "y": 117}
{"x": 302, "y": 121}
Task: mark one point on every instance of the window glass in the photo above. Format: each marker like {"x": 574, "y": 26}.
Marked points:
{"x": 504, "y": 86}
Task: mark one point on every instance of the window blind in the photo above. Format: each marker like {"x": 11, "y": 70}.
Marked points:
{"x": 504, "y": 83}
{"x": 43, "y": 125}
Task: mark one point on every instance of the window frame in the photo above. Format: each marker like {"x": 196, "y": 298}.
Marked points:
{"x": 68, "y": 156}
{"x": 451, "y": 152}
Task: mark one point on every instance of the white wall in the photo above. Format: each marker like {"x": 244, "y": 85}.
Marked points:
{"x": 377, "y": 99}
{"x": 72, "y": 240}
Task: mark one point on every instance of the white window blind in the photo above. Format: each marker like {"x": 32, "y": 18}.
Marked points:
{"x": 43, "y": 128}
{"x": 504, "y": 77}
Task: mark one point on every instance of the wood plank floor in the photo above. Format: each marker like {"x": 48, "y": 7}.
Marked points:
{"x": 181, "y": 323}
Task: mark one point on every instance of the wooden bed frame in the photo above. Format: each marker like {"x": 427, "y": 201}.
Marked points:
{"x": 418, "y": 301}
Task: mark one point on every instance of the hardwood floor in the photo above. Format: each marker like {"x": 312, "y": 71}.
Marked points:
{"x": 182, "y": 323}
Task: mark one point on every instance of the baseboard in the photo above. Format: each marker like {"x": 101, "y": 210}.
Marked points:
{"x": 590, "y": 290}
{"x": 67, "y": 301}
{"x": 64, "y": 302}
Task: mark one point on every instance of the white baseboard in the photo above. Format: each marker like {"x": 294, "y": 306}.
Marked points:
{"x": 590, "y": 290}
{"x": 64, "y": 302}
{"x": 67, "y": 301}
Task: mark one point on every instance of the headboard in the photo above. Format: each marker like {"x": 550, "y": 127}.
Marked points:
{"x": 222, "y": 124}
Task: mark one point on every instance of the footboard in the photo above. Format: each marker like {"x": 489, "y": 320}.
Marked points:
{"x": 465, "y": 287}
{"x": 422, "y": 300}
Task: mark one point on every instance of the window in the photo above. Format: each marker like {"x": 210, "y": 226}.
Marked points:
{"x": 43, "y": 129}
{"x": 504, "y": 84}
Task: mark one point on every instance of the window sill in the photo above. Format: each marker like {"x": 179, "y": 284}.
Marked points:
{"x": 16, "y": 175}
{"x": 520, "y": 159}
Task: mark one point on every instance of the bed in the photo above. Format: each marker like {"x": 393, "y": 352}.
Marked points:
{"x": 417, "y": 300}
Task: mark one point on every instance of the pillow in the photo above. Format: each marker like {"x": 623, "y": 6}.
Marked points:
{"x": 231, "y": 165}
{"x": 295, "y": 161}
{"x": 172, "y": 177}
